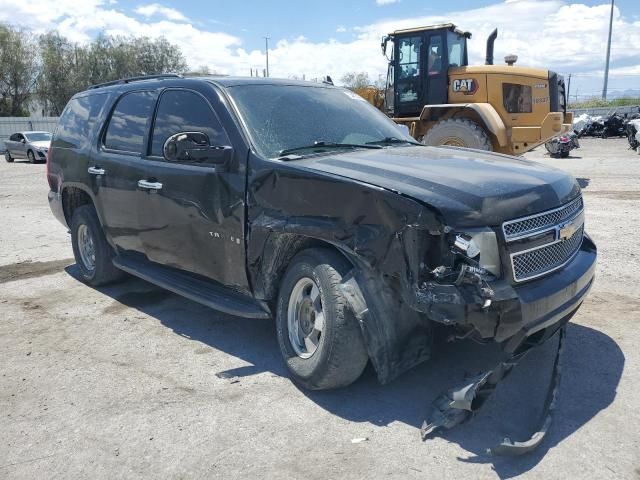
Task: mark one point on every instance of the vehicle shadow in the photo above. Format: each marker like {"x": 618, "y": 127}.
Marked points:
{"x": 592, "y": 368}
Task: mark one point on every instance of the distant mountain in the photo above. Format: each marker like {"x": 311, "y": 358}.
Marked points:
{"x": 630, "y": 93}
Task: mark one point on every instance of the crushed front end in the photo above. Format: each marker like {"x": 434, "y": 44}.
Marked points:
{"x": 525, "y": 278}
{"x": 518, "y": 285}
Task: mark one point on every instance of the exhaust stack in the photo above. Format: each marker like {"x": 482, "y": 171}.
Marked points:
{"x": 490, "y": 41}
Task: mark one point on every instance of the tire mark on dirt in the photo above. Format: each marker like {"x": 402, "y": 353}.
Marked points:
{"x": 28, "y": 269}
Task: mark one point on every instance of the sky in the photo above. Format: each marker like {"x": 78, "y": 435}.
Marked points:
{"x": 331, "y": 37}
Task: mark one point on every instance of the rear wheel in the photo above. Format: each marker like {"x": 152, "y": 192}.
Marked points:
{"x": 458, "y": 132}
{"x": 8, "y": 157}
{"x": 318, "y": 335}
{"x": 91, "y": 250}
{"x": 31, "y": 156}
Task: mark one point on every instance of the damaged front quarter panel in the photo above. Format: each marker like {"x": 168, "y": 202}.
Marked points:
{"x": 385, "y": 235}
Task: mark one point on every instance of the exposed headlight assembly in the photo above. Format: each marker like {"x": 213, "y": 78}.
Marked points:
{"x": 482, "y": 247}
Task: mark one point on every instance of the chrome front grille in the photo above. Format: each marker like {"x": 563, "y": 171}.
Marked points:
{"x": 539, "y": 261}
{"x": 523, "y": 227}
{"x": 567, "y": 225}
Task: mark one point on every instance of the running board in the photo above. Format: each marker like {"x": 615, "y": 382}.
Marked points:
{"x": 199, "y": 290}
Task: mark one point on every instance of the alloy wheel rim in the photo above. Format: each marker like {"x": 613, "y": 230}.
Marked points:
{"x": 305, "y": 318}
{"x": 86, "y": 247}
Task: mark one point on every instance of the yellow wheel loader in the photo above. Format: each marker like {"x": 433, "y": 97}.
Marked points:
{"x": 444, "y": 101}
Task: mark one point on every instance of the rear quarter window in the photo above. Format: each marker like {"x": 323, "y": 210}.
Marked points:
{"x": 77, "y": 121}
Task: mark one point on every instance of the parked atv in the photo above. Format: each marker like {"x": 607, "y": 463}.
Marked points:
{"x": 613, "y": 126}
{"x": 559, "y": 147}
{"x": 592, "y": 128}
{"x": 633, "y": 134}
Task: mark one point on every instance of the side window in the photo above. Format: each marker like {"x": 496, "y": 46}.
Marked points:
{"x": 434, "y": 56}
{"x": 77, "y": 120}
{"x": 14, "y": 137}
{"x": 129, "y": 121}
{"x": 517, "y": 98}
{"x": 185, "y": 111}
{"x": 409, "y": 57}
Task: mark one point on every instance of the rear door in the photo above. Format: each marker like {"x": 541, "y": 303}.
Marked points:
{"x": 194, "y": 212}
{"x": 116, "y": 167}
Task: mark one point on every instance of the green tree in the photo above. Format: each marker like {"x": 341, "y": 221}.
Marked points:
{"x": 355, "y": 80}
{"x": 59, "y": 78}
{"x": 67, "y": 68}
{"x": 18, "y": 57}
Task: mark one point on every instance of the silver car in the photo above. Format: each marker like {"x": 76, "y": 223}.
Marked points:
{"x": 33, "y": 146}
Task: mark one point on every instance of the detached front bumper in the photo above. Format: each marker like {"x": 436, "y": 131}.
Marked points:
{"x": 517, "y": 312}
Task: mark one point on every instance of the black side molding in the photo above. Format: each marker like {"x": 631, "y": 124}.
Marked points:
{"x": 199, "y": 290}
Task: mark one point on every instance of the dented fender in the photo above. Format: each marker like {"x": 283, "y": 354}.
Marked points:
{"x": 383, "y": 234}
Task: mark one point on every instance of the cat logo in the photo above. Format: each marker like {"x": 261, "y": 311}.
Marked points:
{"x": 468, "y": 86}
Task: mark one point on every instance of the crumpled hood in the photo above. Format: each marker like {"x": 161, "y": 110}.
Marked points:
{"x": 41, "y": 144}
{"x": 469, "y": 187}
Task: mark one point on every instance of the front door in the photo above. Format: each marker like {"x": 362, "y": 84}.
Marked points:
{"x": 116, "y": 167}
{"x": 194, "y": 211}
{"x": 18, "y": 146}
{"x": 408, "y": 75}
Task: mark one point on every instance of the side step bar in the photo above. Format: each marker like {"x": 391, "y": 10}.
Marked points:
{"x": 199, "y": 290}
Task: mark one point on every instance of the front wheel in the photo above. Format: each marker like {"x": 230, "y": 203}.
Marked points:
{"x": 91, "y": 250}
{"x": 31, "y": 157}
{"x": 458, "y": 132}
{"x": 319, "y": 337}
{"x": 8, "y": 157}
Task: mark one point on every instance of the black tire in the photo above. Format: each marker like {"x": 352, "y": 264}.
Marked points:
{"x": 341, "y": 355}
{"x": 460, "y": 132}
{"x": 31, "y": 156}
{"x": 564, "y": 154}
{"x": 8, "y": 157}
{"x": 103, "y": 270}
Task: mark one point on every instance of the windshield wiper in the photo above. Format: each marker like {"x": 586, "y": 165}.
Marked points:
{"x": 392, "y": 141}
{"x": 324, "y": 145}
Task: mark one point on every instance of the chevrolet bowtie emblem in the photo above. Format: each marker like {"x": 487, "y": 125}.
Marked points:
{"x": 567, "y": 230}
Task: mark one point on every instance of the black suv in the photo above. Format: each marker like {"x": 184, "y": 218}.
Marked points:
{"x": 263, "y": 197}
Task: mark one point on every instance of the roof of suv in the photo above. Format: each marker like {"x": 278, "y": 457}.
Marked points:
{"x": 223, "y": 81}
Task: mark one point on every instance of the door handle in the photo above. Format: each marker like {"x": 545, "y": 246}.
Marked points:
{"x": 96, "y": 171}
{"x": 147, "y": 185}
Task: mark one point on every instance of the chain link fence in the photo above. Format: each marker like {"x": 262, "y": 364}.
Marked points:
{"x": 605, "y": 111}
{"x": 11, "y": 125}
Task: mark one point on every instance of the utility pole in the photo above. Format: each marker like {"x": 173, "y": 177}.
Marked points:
{"x": 606, "y": 67}
{"x": 568, "y": 89}
{"x": 266, "y": 49}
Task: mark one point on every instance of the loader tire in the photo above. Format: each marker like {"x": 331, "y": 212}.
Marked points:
{"x": 458, "y": 132}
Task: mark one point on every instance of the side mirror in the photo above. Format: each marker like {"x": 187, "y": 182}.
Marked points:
{"x": 24, "y": 140}
{"x": 195, "y": 147}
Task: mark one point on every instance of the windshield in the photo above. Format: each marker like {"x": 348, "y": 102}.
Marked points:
{"x": 38, "y": 137}
{"x": 283, "y": 117}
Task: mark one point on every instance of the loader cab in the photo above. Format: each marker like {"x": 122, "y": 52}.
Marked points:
{"x": 419, "y": 62}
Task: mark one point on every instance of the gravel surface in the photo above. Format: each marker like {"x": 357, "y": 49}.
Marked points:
{"x": 131, "y": 381}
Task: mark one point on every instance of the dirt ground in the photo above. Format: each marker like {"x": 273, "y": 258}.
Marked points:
{"x": 130, "y": 381}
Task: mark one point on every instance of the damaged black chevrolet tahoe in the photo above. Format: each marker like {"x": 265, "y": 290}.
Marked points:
{"x": 300, "y": 201}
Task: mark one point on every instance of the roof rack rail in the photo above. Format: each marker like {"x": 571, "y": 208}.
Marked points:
{"x": 135, "y": 79}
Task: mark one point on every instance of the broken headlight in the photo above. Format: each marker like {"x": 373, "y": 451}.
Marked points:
{"x": 480, "y": 247}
